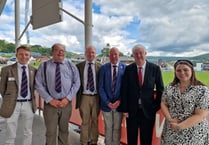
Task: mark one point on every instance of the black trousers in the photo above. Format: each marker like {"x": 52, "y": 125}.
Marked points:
{"x": 136, "y": 123}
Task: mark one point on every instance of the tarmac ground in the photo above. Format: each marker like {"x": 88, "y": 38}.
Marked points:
{"x": 38, "y": 132}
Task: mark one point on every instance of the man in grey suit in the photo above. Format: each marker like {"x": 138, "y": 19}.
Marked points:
{"x": 87, "y": 99}
{"x": 17, "y": 90}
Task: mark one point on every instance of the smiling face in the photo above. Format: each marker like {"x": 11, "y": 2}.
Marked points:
{"x": 58, "y": 52}
{"x": 139, "y": 54}
{"x": 90, "y": 53}
{"x": 23, "y": 55}
{"x": 114, "y": 55}
{"x": 183, "y": 73}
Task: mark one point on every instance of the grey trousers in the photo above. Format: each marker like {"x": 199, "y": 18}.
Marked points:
{"x": 112, "y": 120}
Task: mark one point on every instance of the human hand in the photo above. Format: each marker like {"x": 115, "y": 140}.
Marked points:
{"x": 54, "y": 103}
{"x": 63, "y": 102}
{"x": 116, "y": 104}
{"x": 125, "y": 115}
{"x": 110, "y": 105}
{"x": 176, "y": 127}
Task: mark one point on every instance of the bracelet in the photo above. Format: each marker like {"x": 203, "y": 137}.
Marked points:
{"x": 179, "y": 127}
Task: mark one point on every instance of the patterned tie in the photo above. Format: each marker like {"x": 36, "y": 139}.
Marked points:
{"x": 90, "y": 81}
{"x": 24, "y": 83}
{"x": 57, "y": 78}
{"x": 114, "y": 78}
{"x": 140, "y": 76}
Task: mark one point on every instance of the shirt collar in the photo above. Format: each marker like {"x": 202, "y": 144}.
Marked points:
{"x": 143, "y": 66}
{"x": 20, "y": 65}
{"x": 117, "y": 64}
{"x": 62, "y": 62}
{"x": 87, "y": 62}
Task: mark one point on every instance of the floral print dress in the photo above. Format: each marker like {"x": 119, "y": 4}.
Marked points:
{"x": 182, "y": 106}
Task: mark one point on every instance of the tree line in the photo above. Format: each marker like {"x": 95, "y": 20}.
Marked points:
{"x": 7, "y": 47}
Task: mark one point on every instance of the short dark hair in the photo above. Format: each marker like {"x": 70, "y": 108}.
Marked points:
{"x": 57, "y": 44}
{"x": 22, "y": 47}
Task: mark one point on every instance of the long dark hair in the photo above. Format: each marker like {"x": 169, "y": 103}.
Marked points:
{"x": 194, "y": 80}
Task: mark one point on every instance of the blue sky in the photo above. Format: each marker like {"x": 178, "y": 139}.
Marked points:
{"x": 166, "y": 28}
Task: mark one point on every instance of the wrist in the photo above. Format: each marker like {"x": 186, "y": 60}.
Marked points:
{"x": 169, "y": 119}
{"x": 179, "y": 128}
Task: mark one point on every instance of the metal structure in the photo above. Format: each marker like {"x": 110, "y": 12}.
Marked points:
{"x": 2, "y": 4}
{"x": 87, "y": 22}
{"x": 17, "y": 22}
{"x": 26, "y": 20}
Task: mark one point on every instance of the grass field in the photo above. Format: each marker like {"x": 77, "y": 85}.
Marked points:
{"x": 168, "y": 76}
{"x": 202, "y": 76}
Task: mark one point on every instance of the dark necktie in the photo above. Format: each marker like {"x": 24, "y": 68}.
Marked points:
{"x": 57, "y": 78}
{"x": 140, "y": 76}
{"x": 90, "y": 81}
{"x": 114, "y": 78}
{"x": 24, "y": 83}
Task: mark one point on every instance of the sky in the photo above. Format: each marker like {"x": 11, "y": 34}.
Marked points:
{"x": 164, "y": 27}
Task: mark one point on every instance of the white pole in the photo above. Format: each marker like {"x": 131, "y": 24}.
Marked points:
{"x": 88, "y": 22}
{"x": 17, "y": 22}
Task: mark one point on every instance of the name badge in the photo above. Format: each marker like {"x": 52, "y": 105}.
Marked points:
{"x": 11, "y": 79}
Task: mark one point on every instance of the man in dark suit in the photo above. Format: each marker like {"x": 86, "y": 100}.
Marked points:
{"x": 142, "y": 88}
{"x": 87, "y": 99}
{"x": 110, "y": 78}
{"x": 17, "y": 90}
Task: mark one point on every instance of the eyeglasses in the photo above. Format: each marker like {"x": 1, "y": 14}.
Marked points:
{"x": 59, "y": 50}
{"x": 183, "y": 61}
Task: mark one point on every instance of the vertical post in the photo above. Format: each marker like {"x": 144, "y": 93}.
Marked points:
{"x": 88, "y": 22}
{"x": 26, "y": 20}
{"x": 17, "y": 22}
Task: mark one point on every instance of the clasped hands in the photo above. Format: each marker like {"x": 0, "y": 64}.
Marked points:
{"x": 174, "y": 123}
{"x": 114, "y": 105}
{"x": 59, "y": 103}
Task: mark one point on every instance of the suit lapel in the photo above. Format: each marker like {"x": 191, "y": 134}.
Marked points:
{"x": 15, "y": 73}
{"x": 135, "y": 72}
{"x": 109, "y": 75}
{"x": 146, "y": 73}
{"x": 82, "y": 71}
{"x": 31, "y": 76}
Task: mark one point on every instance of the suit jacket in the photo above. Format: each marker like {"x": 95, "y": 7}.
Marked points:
{"x": 105, "y": 85}
{"x": 9, "y": 89}
{"x": 131, "y": 92}
{"x": 81, "y": 67}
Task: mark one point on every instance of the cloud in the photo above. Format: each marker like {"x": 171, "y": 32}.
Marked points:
{"x": 167, "y": 28}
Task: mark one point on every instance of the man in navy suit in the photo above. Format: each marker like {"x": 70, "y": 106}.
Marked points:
{"x": 142, "y": 88}
{"x": 110, "y": 77}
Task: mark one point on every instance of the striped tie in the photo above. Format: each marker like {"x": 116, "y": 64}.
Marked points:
{"x": 90, "y": 81}
{"x": 114, "y": 78}
{"x": 24, "y": 83}
{"x": 57, "y": 78}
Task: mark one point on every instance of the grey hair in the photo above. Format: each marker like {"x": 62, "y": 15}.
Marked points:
{"x": 138, "y": 46}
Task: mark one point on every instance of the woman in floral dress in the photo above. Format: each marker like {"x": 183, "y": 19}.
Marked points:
{"x": 185, "y": 104}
